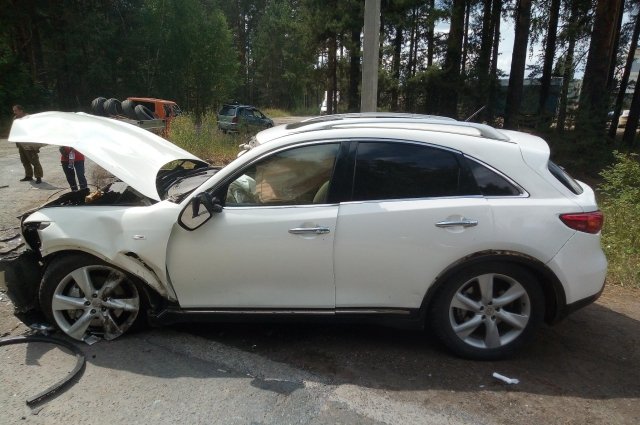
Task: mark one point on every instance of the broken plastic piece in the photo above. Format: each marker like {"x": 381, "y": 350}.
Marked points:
{"x": 91, "y": 339}
{"x": 505, "y": 379}
{"x": 42, "y": 328}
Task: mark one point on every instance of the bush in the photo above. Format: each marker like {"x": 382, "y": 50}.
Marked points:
{"x": 274, "y": 112}
{"x": 204, "y": 140}
{"x": 621, "y": 206}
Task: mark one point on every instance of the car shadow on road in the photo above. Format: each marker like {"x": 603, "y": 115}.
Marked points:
{"x": 591, "y": 355}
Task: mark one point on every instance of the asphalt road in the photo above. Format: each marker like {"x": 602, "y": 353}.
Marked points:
{"x": 581, "y": 371}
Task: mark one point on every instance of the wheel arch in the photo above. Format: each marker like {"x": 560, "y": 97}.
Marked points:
{"x": 154, "y": 298}
{"x": 552, "y": 288}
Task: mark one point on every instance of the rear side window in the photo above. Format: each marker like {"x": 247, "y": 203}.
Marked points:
{"x": 404, "y": 171}
{"x": 564, "y": 178}
{"x": 491, "y": 183}
{"x": 228, "y": 110}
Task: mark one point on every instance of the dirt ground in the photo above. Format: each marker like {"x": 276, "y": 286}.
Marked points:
{"x": 584, "y": 370}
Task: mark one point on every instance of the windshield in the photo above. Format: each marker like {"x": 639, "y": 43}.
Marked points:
{"x": 179, "y": 178}
{"x": 228, "y": 110}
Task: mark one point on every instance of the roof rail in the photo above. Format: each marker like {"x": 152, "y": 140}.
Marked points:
{"x": 388, "y": 119}
{"x": 392, "y": 115}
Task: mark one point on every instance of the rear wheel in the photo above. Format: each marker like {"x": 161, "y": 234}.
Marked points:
{"x": 83, "y": 296}
{"x": 488, "y": 311}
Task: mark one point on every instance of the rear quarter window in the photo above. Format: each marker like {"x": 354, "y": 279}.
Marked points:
{"x": 564, "y": 178}
{"x": 490, "y": 182}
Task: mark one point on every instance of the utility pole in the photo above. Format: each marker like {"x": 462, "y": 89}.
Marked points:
{"x": 370, "y": 50}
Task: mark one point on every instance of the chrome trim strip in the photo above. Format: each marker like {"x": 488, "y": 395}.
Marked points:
{"x": 280, "y": 206}
{"x": 415, "y": 199}
{"x": 324, "y": 312}
{"x": 256, "y": 312}
{"x": 373, "y": 311}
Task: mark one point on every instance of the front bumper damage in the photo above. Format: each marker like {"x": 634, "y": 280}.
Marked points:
{"x": 20, "y": 273}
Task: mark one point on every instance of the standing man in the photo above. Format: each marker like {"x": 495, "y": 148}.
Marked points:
{"x": 28, "y": 153}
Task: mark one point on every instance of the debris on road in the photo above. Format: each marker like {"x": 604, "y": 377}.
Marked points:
{"x": 91, "y": 339}
{"x": 63, "y": 383}
{"x": 505, "y": 379}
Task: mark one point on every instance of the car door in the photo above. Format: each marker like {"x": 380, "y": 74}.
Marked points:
{"x": 272, "y": 244}
{"x": 261, "y": 119}
{"x": 414, "y": 211}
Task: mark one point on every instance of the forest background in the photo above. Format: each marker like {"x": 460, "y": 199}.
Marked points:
{"x": 436, "y": 57}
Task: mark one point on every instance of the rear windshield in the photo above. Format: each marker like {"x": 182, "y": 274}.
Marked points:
{"x": 564, "y": 178}
{"x": 228, "y": 110}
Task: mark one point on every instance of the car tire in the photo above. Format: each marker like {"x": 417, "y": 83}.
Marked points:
{"x": 83, "y": 295}
{"x": 487, "y": 311}
{"x": 143, "y": 113}
{"x": 97, "y": 106}
{"x": 112, "y": 107}
{"x": 128, "y": 109}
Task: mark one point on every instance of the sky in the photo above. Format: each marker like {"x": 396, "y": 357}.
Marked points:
{"x": 505, "y": 50}
{"x": 507, "y": 33}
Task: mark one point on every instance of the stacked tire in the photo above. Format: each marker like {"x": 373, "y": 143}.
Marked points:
{"x": 112, "y": 107}
{"x": 97, "y": 106}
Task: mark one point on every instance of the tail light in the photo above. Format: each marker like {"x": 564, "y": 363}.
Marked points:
{"x": 590, "y": 222}
{"x": 234, "y": 120}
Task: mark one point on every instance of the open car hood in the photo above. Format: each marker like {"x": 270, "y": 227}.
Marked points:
{"x": 128, "y": 152}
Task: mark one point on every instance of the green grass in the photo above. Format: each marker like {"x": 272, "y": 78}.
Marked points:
{"x": 274, "y": 112}
{"x": 620, "y": 244}
{"x": 620, "y": 193}
{"x": 205, "y": 140}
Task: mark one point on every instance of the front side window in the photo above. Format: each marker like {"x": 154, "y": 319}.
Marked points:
{"x": 398, "y": 170}
{"x": 297, "y": 176}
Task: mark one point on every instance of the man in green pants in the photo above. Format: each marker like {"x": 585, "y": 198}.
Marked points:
{"x": 28, "y": 153}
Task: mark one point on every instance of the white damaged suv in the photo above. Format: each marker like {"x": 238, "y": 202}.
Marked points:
{"x": 404, "y": 219}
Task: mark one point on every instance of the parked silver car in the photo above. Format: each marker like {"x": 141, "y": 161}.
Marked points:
{"x": 234, "y": 118}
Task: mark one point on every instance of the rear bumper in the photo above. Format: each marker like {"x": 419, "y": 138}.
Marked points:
{"x": 227, "y": 126}
{"x": 570, "y": 308}
{"x": 581, "y": 267}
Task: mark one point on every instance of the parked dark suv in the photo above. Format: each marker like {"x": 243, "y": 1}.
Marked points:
{"x": 235, "y": 117}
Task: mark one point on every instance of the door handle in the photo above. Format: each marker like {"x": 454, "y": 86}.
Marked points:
{"x": 465, "y": 222}
{"x": 309, "y": 230}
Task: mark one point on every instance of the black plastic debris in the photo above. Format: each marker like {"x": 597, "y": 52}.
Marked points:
{"x": 21, "y": 272}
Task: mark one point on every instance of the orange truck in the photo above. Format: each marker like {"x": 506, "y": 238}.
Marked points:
{"x": 149, "y": 113}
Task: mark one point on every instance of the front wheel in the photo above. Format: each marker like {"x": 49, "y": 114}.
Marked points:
{"x": 85, "y": 296}
{"x": 488, "y": 311}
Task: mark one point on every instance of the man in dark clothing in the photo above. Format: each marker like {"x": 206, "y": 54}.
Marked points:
{"x": 73, "y": 164}
{"x": 28, "y": 153}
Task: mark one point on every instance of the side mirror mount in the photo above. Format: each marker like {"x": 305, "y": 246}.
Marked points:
{"x": 199, "y": 210}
